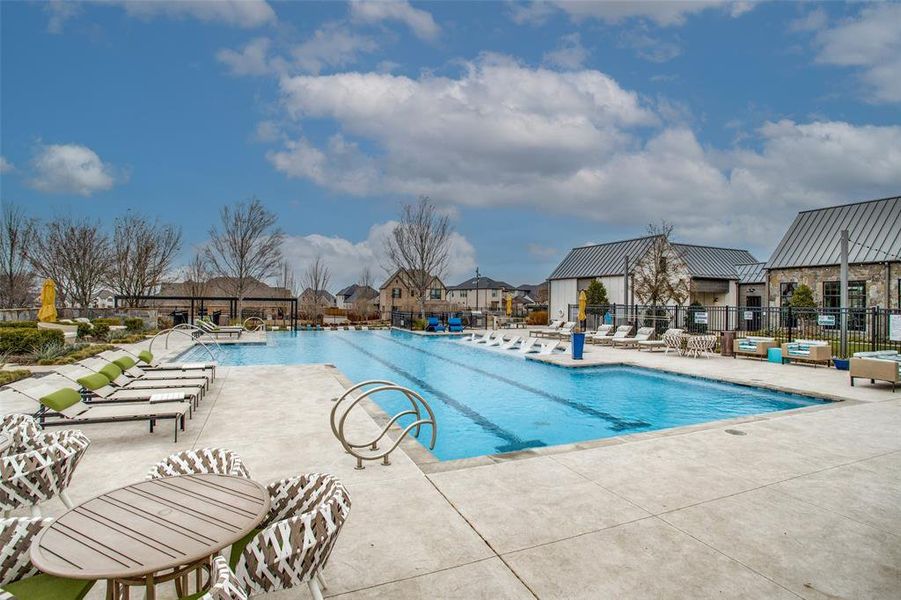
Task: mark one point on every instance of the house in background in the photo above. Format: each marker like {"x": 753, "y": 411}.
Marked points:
{"x": 395, "y": 294}
{"x": 105, "y": 298}
{"x": 354, "y": 295}
{"x": 309, "y": 296}
{"x": 810, "y": 253}
{"x": 479, "y": 293}
{"x": 710, "y": 272}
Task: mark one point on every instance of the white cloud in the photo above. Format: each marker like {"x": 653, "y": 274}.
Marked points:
{"x": 419, "y": 21}
{"x": 5, "y": 165}
{"x": 664, "y": 13}
{"x": 872, "y": 42}
{"x": 532, "y": 13}
{"x": 346, "y": 259}
{"x": 252, "y": 59}
{"x": 331, "y": 46}
{"x": 60, "y": 11}
{"x": 266, "y": 132}
{"x": 812, "y": 21}
{"x": 570, "y": 54}
{"x": 649, "y": 47}
{"x": 71, "y": 169}
{"x": 238, "y": 13}
{"x": 577, "y": 143}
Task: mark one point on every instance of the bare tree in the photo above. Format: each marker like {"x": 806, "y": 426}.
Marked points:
{"x": 247, "y": 248}
{"x": 75, "y": 255}
{"x": 197, "y": 275}
{"x": 658, "y": 277}
{"x": 287, "y": 280}
{"x": 365, "y": 277}
{"x": 142, "y": 255}
{"x": 316, "y": 280}
{"x": 418, "y": 248}
{"x": 17, "y": 233}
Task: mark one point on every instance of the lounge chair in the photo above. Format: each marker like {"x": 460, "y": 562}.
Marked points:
{"x": 497, "y": 340}
{"x": 149, "y": 379}
{"x": 551, "y": 330}
{"x": 603, "y": 331}
{"x": 652, "y": 345}
{"x": 621, "y": 332}
{"x": 216, "y": 330}
{"x": 753, "y": 346}
{"x": 549, "y": 347}
{"x": 127, "y": 363}
{"x": 881, "y": 365}
{"x": 508, "y": 345}
{"x": 455, "y": 324}
{"x": 643, "y": 333}
{"x": 433, "y": 324}
{"x": 64, "y": 406}
{"x": 489, "y": 335}
{"x": 99, "y": 385}
{"x": 147, "y": 362}
{"x": 527, "y": 344}
{"x": 565, "y": 331}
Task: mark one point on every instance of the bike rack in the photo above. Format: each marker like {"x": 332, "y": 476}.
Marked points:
{"x": 183, "y": 332}
{"x": 417, "y": 402}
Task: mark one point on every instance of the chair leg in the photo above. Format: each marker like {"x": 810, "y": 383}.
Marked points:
{"x": 321, "y": 579}
{"x": 314, "y": 589}
{"x": 64, "y": 496}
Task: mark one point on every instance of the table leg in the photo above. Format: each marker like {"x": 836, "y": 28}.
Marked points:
{"x": 150, "y": 594}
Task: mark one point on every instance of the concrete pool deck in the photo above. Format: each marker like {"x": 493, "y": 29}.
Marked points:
{"x": 804, "y": 504}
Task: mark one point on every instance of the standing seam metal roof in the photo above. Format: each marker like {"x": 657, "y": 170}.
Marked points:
{"x": 601, "y": 260}
{"x": 711, "y": 262}
{"x": 874, "y": 231}
{"x": 751, "y": 273}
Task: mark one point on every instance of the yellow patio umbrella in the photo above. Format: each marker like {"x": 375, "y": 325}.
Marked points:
{"x": 583, "y": 302}
{"x": 509, "y": 304}
{"x": 48, "y": 302}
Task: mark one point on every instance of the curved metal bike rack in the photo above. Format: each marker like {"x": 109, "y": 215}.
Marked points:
{"x": 417, "y": 403}
{"x": 257, "y": 327}
{"x": 183, "y": 332}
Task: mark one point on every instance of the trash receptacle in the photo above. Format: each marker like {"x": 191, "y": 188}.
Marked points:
{"x": 179, "y": 317}
{"x": 578, "y": 345}
{"x": 217, "y": 314}
{"x": 727, "y": 343}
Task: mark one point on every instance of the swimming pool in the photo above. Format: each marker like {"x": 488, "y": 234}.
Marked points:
{"x": 488, "y": 402}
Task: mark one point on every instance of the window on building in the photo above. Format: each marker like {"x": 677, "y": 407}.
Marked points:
{"x": 494, "y": 293}
{"x": 857, "y": 301}
{"x": 395, "y": 292}
{"x": 786, "y": 290}
{"x": 464, "y": 293}
{"x": 435, "y": 294}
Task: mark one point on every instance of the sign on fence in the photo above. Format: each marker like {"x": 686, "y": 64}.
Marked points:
{"x": 700, "y": 318}
{"x": 826, "y": 320}
{"x": 749, "y": 315}
{"x": 894, "y": 328}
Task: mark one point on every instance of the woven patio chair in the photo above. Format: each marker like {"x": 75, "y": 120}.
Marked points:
{"x": 300, "y": 531}
{"x": 701, "y": 345}
{"x": 205, "y": 460}
{"x": 35, "y": 476}
{"x": 22, "y": 431}
{"x": 18, "y": 577}
{"x": 225, "y": 585}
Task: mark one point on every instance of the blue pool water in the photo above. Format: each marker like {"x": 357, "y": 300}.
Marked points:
{"x": 486, "y": 402}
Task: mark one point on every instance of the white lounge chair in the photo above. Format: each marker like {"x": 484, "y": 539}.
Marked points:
{"x": 551, "y": 330}
{"x": 549, "y": 347}
{"x": 508, "y": 345}
{"x": 497, "y": 340}
{"x": 603, "y": 331}
{"x": 527, "y": 345}
{"x": 621, "y": 332}
{"x": 643, "y": 334}
{"x": 565, "y": 331}
{"x": 487, "y": 338}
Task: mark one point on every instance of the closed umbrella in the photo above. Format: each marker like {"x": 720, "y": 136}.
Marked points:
{"x": 48, "y": 302}
{"x": 583, "y": 302}
{"x": 509, "y": 305}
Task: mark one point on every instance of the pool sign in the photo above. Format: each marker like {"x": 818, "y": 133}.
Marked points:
{"x": 700, "y": 318}
{"x": 826, "y": 320}
{"x": 894, "y": 328}
{"x": 749, "y": 315}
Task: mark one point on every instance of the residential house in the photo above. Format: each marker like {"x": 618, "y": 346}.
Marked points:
{"x": 395, "y": 294}
{"x": 810, "y": 253}
{"x": 710, "y": 272}
{"x": 309, "y": 296}
{"x": 352, "y": 296}
{"x": 479, "y": 293}
{"x": 105, "y": 298}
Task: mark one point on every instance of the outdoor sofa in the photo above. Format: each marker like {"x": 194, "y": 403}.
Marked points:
{"x": 811, "y": 351}
{"x": 753, "y": 346}
{"x": 882, "y": 365}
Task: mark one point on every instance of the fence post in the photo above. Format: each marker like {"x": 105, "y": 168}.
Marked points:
{"x": 791, "y": 323}
{"x": 875, "y": 326}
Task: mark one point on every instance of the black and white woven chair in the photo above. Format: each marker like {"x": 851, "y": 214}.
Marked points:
{"x": 205, "y": 460}
{"x": 297, "y": 537}
{"x": 19, "y": 578}
{"x": 225, "y": 584}
{"x": 22, "y": 431}
{"x": 37, "y": 475}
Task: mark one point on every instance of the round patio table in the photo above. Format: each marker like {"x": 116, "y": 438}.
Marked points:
{"x": 151, "y": 532}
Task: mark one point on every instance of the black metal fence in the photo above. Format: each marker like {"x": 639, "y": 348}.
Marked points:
{"x": 868, "y": 328}
{"x": 413, "y": 319}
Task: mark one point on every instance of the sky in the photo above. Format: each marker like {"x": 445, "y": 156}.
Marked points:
{"x": 535, "y": 126}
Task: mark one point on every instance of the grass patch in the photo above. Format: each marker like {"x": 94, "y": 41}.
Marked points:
{"x": 14, "y": 375}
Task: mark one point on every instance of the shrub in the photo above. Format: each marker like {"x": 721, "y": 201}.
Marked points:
{"x": 134, "y": 324}
{"x": 14, "y": 324}
{"x": 108, "y": 321}
{"x": 14, "y": 375}
{"x": 48, "y": 351}
{"x": 84, "y": 330}
{"x": 802, "y": 297}
{"x": 418, "y": 325}
{"x": 23, "y": 340}
{"x": 596, "y": 294}
{"x": 100, "y": 331}
{"x": 538, "y": 317}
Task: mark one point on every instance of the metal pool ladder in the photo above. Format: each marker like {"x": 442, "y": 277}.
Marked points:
{"x": 372, "y": 452}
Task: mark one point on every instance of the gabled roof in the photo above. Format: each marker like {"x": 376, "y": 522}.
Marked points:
{"x": 397, "y": 273}
{"x": 601, "y": 260}
{"x": 751, "y": 272}
{"x": 321, "y": 293}
{"x": 814, "y": 237}
{"x": 711, "y": 262}
{"x": 484, "y": 283}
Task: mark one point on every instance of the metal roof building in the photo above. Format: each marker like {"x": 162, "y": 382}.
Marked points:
{"x": 874, "y": 231}
{"x": 712, "y": 263}
{"x": 751, "y": 273}
{"x": 601, "y": 260}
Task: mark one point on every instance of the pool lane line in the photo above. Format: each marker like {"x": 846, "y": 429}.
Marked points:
{"x": 514, "y": 442}
{"x": 616, "y": 423}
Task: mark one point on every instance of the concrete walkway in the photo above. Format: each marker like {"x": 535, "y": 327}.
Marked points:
{"x": 806, "y": 504}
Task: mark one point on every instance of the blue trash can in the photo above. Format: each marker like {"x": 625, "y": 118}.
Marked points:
{"x": 578, "y": 345}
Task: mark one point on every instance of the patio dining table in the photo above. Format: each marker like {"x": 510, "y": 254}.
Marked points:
{"x": 151, "y": 532}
